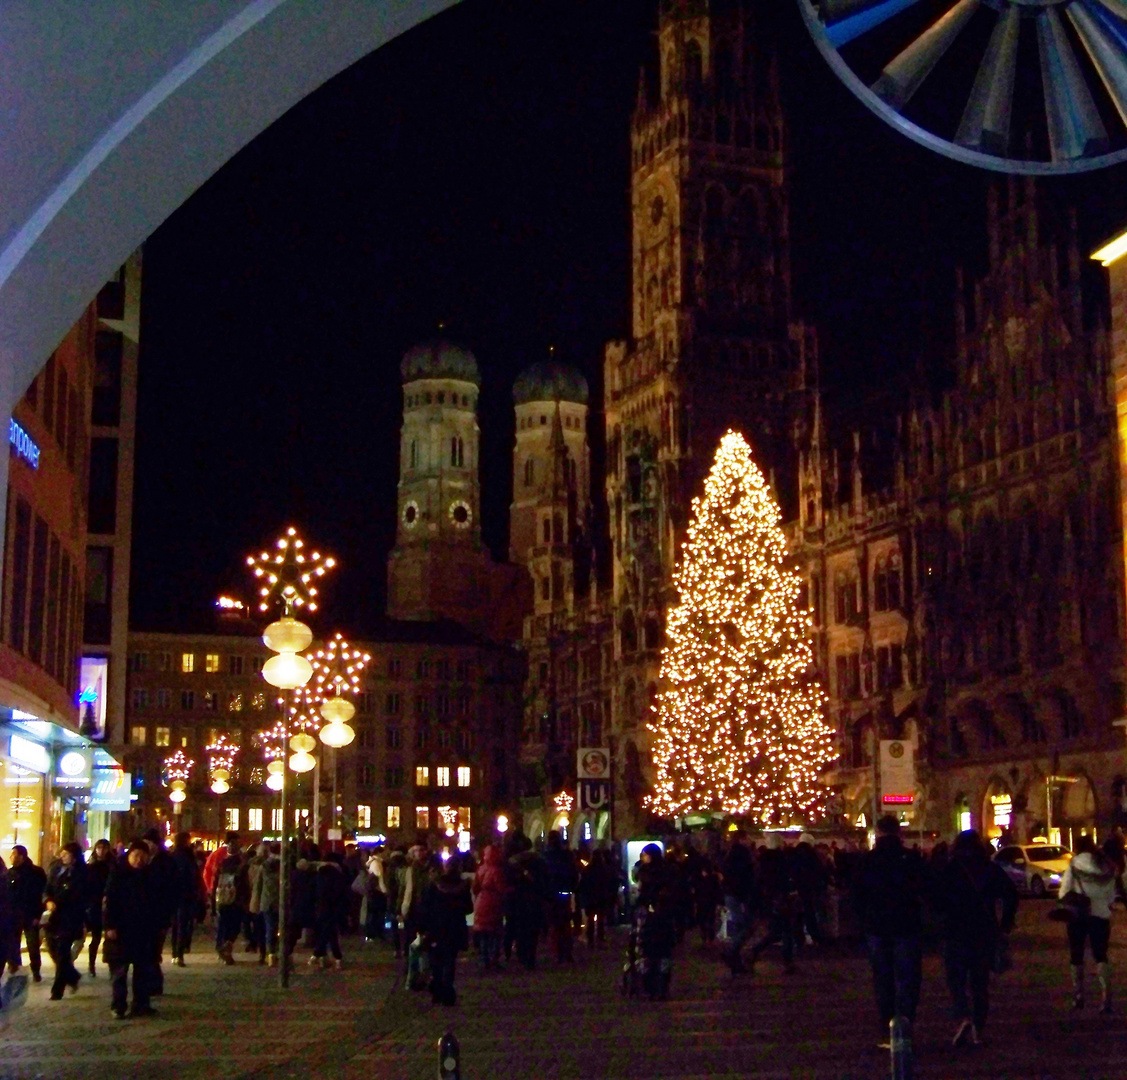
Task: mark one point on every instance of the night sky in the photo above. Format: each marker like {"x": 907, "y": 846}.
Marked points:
{"x": 476, "y": 172}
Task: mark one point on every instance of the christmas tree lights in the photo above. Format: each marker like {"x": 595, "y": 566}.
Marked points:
{"x": 738, "y": 722}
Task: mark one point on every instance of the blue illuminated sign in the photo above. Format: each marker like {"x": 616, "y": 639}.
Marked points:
{"x": 23, "y": 444}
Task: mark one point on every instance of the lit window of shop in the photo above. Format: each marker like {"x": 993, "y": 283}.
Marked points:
{"x": 163, "y": 737}
{"x": 187, "y": 662}
{"x": 254, "y": 819}
{"x": 363, "y": 817}
{"x": 393, "y": 817}
{"x": 443, "y": 776}
{"x": 275, "y": 819}
{"x": 422, "y": 775}
{"x": 463, "y": 776}
{"x": 211, "y": 663}
{"x": 231, "y": 819}
{"x": 138, "y": 734}
{"x": 22, "y": 781}
{"x": 422, "y": 817}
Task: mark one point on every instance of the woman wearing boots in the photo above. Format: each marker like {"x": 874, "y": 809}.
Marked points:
{"x": 1093, "y": 876}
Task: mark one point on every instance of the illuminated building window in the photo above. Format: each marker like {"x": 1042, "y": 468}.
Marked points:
{"x": 187, "y": 663}
{"x": 422, "y": 775}
{"x": 184, "y": 741}
{"x": 393, "y": 817}
{"x": 211, "y": 662}
{"x": 275, "y": 819}
{"x": 463, "y": 817}
{"x": 254, "y": 819}
{"x": 138, "y": 734}
{"x": 140, "y": 698}
{"x": 422, "y": 817}
{"x": 235, "y": 704}
{"x": 210, "y": 701}
{"x": 443, "y": 776}
{"x": 231, "y": 819}
{"x": 463, "y": 776}
{"x": 363, "y": 817}
{"x": 163, "y": 736}
{"x": 258, "y": 702}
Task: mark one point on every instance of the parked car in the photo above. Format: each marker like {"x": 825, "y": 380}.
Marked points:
{"x": 1035, "y": 869}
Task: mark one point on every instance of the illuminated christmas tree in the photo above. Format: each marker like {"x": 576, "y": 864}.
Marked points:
{"x": 739, "y": 722}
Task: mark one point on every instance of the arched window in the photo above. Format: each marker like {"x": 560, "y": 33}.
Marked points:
{"x": 529, "y": 472}
{"x": 629, "y": 633}
{"x": 694, "y": 65}
{"x": 457, "y": 451}
{"x": 629, "y": 703}
{"x": 414, "y": 453}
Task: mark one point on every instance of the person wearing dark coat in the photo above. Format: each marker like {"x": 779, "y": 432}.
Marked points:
{"x": 967, "y": 894}
{"x": 445, "y": 905}
{"x": 187, "y": 896}
{"x": 160, "y": 863}
{"x": 131, "y": 921}
{"x": 26, "y": 883}
{"x": 598, "y": 894}
{"x": 9, "y": 942}
{"x": 97, "y": 874}
{"x": 331, "y": 902}
{"x": 231, "y": 898}
{"x": 562, "y": 881}
{"x": 737, "y": 873}
{"x": 526, "y": 899}
{"x": 302, "y": 903}
{"x": 65, "y": 902}
{"x": 888, "y": 899}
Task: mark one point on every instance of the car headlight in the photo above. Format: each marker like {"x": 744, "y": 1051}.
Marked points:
{"x": 1054, "y": 878}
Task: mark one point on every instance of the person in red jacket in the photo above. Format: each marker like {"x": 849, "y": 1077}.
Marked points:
{"x": 489, "y": 888}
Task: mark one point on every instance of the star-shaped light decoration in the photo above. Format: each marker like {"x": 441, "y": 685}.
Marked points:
{"x": 272, "y": 741}
{"x": 337, "y": 667}
{"x": 220, "y": 761}
{"x": 288, "y": 575}
{"x": 178, "y": 766}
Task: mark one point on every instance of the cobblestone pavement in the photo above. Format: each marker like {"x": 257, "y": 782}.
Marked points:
{"x": 564, "y": 1024}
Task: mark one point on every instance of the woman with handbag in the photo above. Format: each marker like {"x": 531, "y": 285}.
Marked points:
{"x": 968, "y": 891}
{"x": 1087, "y": 891}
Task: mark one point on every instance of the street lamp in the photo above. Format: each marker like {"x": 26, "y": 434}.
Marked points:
{"x": 221, "y": 760}
{"x": 177, "y": 770}
{"x": 287, "y": 578}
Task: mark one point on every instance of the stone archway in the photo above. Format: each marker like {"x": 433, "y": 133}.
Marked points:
{"x": 88, "y": 175}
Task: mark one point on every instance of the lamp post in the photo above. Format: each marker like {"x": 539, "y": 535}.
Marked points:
{"x": 287, "y": 577}
{"x": 177, "y": 770}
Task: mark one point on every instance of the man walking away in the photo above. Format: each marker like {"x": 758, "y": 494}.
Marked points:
{"x": 562, "y": 881}
{"x": 230, "y": 901}
{"x": 738, "y": 872}
{"x": 889, "y": 892}
{"x": 442, "y": 919}
{"x": 131, "y": 923}
{"x": 26, "y": 883}
{"x": 187, "y": 896}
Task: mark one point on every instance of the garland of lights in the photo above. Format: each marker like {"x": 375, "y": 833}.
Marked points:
{"x": 739, "y": 724}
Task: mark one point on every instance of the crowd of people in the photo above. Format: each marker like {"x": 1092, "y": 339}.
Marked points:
{"x": 508, "y": 897}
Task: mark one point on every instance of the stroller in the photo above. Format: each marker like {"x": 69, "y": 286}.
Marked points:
{"x": 647, "y": 966}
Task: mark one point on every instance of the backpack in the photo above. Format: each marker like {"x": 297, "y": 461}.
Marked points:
{"x": 226, "y": 889}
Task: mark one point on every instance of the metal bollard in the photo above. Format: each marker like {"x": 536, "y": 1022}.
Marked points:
{"x": 900, "y": 1036}
{"x": 449, "y": 1058}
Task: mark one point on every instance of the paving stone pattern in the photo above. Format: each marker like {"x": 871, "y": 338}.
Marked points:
{"x": 565, "y": 1023}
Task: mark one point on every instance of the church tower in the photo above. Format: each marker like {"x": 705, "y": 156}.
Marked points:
{"x": 438, "y": 567}
{"x": 713, "y": 343}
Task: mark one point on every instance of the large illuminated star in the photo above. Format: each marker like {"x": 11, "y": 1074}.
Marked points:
{"x": 288, "y": 575}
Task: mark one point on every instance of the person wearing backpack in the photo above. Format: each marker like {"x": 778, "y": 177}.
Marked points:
{"x": 1093, "y": 877}
{"x": 230, "y": 899}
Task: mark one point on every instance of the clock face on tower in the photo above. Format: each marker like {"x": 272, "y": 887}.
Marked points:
{"x": 411, "y": 514}
{"x": 461, "y": 514}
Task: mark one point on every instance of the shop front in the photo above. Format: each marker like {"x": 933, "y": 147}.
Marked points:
{"x": 58, "y": 786}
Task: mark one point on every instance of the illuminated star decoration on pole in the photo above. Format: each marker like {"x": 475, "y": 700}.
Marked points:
{"x": 288, "y": 575}
{"x": 221, "y": 760}
{"x": 272, "y": 741}
{"x": 337, "y": 667}
{"x": 177, "y": 772}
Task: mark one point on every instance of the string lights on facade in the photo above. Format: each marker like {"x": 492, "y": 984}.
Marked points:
{"x": 739, "y": 721}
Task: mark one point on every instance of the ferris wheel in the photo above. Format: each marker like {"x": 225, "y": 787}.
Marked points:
{"x": 1030, "y": 86}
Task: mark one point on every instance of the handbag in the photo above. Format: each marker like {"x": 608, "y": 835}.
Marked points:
{"x": 1073, "y": 905}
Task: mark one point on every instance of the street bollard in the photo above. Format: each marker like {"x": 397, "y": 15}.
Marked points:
{"x": 449, "y": 1054}
{"x": 901, "y": 1039}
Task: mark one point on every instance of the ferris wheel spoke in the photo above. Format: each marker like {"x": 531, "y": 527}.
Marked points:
{"x": 986, "y": 121}
{"x": 1105, "y": 41}
{"x": 1075, "y": 127}
{"x": 904, "y": 75}
{"x": 848, "y": 19}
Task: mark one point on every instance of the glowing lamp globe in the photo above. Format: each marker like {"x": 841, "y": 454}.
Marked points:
{"x": 178, "y": 785}
{"x": 302, "y": 761}
{"x": 337, "y": 734}
{"x": 287, "y": 671}
{"x": 220, "y": 787}
{"x": 275, "y": 780}
{"x": 276, "y": 767}
{"x": 177, "y": 795}
{"x": 302, "y": 743}
{"x": 287, "y": 635}
{"x": 220, "y": 774}
{"x": 338, "y": 711}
